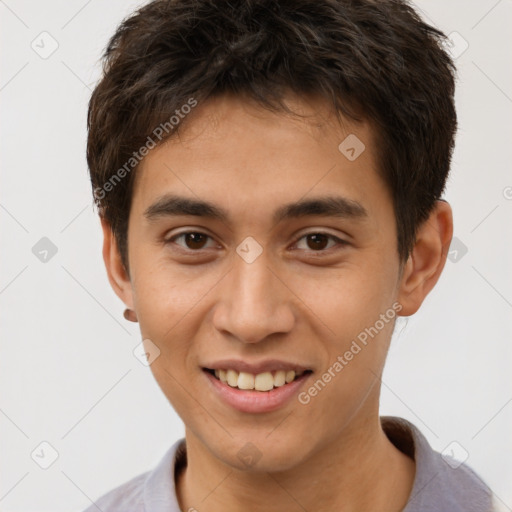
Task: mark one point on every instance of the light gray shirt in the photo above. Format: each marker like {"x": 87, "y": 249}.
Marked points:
{"x": 440, "y": 483}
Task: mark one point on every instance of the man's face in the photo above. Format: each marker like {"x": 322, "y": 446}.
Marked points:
{"x": 252, "y": 288}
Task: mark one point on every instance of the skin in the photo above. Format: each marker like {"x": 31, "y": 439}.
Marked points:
{"x": 294, "y": 302}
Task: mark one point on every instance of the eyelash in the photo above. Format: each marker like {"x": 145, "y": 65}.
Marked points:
{"x": 339, "y": 241}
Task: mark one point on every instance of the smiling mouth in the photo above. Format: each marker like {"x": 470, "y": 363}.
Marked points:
{"x": 265, "y": 381}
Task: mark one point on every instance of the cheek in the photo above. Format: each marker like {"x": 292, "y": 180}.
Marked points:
{"x": 348, "y": 300}
{"x": 356, "y": 306}
{"x": 169, "y": 306}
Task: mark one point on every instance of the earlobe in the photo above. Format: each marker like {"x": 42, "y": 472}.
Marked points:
{"x": 427, "y": 259}
{"x": 117, "y": 274}
{"x": 130, "y": 315}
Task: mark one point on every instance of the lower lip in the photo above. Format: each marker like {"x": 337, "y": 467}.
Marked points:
{"x": 256, "y": 401}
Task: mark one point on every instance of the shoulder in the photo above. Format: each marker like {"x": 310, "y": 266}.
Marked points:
{"x": 441, "y": 482}
{"x": 128, "y": 496}
{"x": 152, "y": 490}
{"x": 459, "y": 487}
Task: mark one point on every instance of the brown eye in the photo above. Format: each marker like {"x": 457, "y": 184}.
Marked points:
{"x": 194, "y": 241}
{"x": 318, "y": 242}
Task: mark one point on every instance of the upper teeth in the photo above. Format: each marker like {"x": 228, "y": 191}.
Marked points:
{"x": 261, "y": 382}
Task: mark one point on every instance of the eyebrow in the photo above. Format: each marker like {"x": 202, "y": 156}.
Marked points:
{"x": 331, "y": 206}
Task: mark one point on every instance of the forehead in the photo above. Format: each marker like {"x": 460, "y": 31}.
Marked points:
{"x": 241, "y": 158}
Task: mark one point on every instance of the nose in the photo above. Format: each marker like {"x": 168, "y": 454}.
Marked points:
{"x": 255, "y": 302}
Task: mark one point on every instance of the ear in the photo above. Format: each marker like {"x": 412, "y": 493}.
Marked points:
{"x": 117, "y": 275}
{"x": 426, "y": 261}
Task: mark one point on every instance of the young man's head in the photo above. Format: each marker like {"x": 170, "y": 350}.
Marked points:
{"x": 268, "y": 175}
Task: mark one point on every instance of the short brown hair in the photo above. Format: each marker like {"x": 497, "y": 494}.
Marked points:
{"x": 373, "y": 60}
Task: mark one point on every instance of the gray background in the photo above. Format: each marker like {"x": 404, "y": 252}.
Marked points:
{"x": 68, "y": 373}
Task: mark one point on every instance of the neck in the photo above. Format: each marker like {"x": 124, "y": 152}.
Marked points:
{"x": 359, "y": 470}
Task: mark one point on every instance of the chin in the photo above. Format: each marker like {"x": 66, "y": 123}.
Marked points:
{"x": 260, "y": 454}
